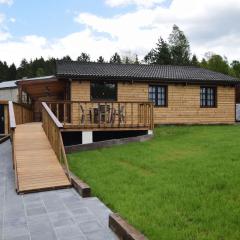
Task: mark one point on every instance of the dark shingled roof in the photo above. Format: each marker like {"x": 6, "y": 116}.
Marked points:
{"x": 77, "y": 70}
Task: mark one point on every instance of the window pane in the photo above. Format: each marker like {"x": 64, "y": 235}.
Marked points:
{"x": 207, "y": 96}
{"x": 158, "y": 95}
{"x": 103, "y": 91}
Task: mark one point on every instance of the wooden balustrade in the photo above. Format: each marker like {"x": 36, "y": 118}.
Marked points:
{"x": 18, "y": 114}
{"x": 52, "y": 128}
{"x": 101, "y": 115}
{"x": 12, "y": 127}
{"x": 23, "y": 113}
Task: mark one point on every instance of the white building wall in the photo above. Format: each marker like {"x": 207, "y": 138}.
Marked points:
{"x": 9, "y": 94}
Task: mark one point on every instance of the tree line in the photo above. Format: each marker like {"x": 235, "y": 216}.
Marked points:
{"x": 173, "y": 51}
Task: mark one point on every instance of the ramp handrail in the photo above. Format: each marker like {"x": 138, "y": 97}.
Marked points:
{"x": 52, "y": 128}
{"x": 12, "y": 126}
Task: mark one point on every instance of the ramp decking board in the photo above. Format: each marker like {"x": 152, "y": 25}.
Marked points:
{"x": 37, "y": 166}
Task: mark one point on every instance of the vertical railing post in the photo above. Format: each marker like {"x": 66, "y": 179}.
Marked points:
{"x": 57, "y": 110}
{"x": 64, "y": 113}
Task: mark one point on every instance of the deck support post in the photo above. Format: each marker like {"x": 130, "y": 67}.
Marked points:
{"x": 150, "y": 132}
{"x": 87, "y": 137}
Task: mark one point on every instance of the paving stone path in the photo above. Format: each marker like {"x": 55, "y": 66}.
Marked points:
{"x": 59, "y": 215}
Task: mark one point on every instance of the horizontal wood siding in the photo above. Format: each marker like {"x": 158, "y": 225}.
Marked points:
{"x": 132, "y": 92}
{"x": 183, "y": 103}
{"x": 184, "y": 107}
{"x": 80, "y": 91}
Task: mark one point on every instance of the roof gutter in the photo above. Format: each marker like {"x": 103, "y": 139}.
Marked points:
{"x": 137, "y": 79}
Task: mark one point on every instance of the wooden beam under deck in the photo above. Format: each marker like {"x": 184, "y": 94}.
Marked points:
{"x": 77, "y": 128}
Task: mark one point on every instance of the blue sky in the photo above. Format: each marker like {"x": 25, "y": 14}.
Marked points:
{"x": 30, "y": 29}
{"x": 51, "y": 18}
{"x": 54, "y": 18}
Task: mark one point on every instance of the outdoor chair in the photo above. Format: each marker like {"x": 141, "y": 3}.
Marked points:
{"x": 120, "y": 113}
{"x": 84, "y": 115}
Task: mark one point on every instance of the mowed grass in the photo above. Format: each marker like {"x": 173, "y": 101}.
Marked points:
{"x": 183, "y": 184}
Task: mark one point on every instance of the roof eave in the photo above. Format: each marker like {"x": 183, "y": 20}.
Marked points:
{"x": 127, "y": 78}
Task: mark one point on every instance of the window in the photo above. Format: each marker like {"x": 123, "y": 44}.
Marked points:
{"x": 158, "y": 95}
{"x": 103, "y": 91}
{"x": 208, "y": 97}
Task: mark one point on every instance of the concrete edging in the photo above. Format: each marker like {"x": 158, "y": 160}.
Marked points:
{"x": 123, "y": 229}
{"x": 107, "y": 143}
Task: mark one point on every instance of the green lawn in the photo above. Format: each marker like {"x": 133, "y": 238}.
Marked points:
{"x": 183, "y": 184}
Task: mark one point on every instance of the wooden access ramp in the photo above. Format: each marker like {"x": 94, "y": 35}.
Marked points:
{"x": 36, "y": 164}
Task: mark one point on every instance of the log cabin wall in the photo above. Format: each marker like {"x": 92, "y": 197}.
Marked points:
{"x": 80, "y": 91}
{"x": 183, "y": 105}
{"x": 132, "y": 92}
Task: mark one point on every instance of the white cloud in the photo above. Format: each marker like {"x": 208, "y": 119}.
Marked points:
{"x": 4, "y": 34}
{"x": 139, "y": 3}
{"x": 30, "y": 47}
{"x": 12, "y": 20}
{"x": 209, "y": 25}
{"x": 8, "y": 2}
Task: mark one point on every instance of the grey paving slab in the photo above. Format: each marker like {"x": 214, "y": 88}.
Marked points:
{"x": 51, "y": 215}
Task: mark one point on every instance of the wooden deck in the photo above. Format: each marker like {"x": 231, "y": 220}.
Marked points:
{"x": 37, "y": 166}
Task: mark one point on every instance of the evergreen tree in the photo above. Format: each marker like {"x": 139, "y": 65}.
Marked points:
{"x": 22, "y": 71}
{"x": 236, "y": 68}
{"x": 116, "y": 58}
{"x": 40, "y": 72}
{"x": 127, "y": 60}
{"x": 100, "y": 59}
{"x": 161, "y": 54}
{"x": 3, "y": 71}
{"x": 149, "y": 58}
{"x": 84, "y": 57}
{"x": 194, "y": 61}
{"x": 179, "y": 47}
{"x": 66, "y": 58}
{"x": 136, "y": 60}
{"x": 204, "y": 63}
{"x": 12, "y": 72}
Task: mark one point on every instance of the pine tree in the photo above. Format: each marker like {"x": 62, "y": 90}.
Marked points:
{"x": 84, "y": 57}
{"x": 136, "y": 60}
{"x": 116, "y": 58}
{"x": 12, "y": 72}
{"x": 3, "y": 71}
{"x": 194, "y": 61}
{"x": 149, "y": 58}
{"x": 236, "y": 68}
{"x": 66, "y": 58}
{"x": 204, "y": 63}
{"x": 100, "y": 59}
{"x": 22, "y": 71}
{"x": 161, "y": 54}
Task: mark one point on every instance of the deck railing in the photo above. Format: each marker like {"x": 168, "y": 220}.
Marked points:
{"x": 18, "y": 114}
{"x": 101, "y": 115}
{"x": 23, "y": 113}
{"x": 52, "y": 128}
{"x": 12, "y": 127}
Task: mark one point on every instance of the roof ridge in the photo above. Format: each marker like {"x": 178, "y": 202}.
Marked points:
{"x": 124, "y": 64}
